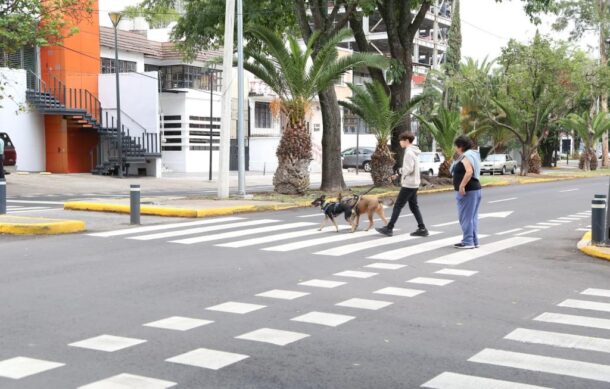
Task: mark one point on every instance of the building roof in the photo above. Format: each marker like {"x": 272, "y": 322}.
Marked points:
{"x": 138, "y": 43}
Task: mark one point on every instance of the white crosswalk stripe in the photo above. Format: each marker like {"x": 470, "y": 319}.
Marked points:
{"x": 320, "y": 241}
{"x": 468, "y": 255}
{"x": 560, "y": 340}
{"x": 596, "y": 292}
{"x": 199, "y": 230}
{"x": 352, "y": 248}
{"x": 161, "y": 227}
{"x": 574, "y": 320}
{"x": 448, "y": 380}
{"x": 582, "y": 304}
{"x": 278, "y": 237}
{"x": 404, "y": 252}
{"x": 11, "y": 210}
{"x": 233, "y": 234}
{"x": 544, "y": 364}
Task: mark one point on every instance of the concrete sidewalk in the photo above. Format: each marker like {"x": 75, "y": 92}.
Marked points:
{"x": 35, "y": 184}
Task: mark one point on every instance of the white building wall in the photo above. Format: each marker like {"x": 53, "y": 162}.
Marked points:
{"x": 25, "y": 128}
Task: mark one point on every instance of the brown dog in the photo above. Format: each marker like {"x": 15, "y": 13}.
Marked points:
{"x": 369, "y": 205}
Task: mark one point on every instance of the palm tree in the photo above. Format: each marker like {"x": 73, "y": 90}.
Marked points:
{"x": 445, "y": 127}
{"x": 286, "y": 68}
{"x": 372, "y": 104}
{"x": 590, "y": 130}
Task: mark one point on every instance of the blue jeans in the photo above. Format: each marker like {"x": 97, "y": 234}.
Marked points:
{"x": 468, "y": 211}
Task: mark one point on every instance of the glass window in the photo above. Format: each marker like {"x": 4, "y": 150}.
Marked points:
{"x": 262, "y": 115}
{"x": 124, "y": 66}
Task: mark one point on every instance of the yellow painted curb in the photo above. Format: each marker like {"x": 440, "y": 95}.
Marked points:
{"x": 51, "y": 227}
{"x": 585, "y": 246}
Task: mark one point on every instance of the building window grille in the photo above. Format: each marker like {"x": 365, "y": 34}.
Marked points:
{"x": 108, "y": 66}
{"x": 262, "y": 115}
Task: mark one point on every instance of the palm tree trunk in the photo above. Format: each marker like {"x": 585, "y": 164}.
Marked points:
{"x": 444, "y": 170}
{"x": 382, "y": 165}
{"x": 294, "y": 156}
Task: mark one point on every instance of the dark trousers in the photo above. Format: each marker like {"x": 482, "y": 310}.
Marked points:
{"x": 1, "y": 166}
{"x": 406, "y": 195}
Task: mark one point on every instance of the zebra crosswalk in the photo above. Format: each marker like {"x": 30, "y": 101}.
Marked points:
{"x": 272, "y": 235}
{"x": 561, "y": 355}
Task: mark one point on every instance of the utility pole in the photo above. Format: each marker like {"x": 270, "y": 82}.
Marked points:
{"x": 603, "y": 58}
{"x": 225, "y": 124}
{"x": 241, "y": 148}
{"x": 115, "y": 18}
{"x": 211, "y": 139}
{"x": 435, "y": 53}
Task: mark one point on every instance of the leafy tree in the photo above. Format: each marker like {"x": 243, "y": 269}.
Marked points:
{"x": 39, "y": 22}
{"x": 581, "y": 16}
{"x": 590, "y": 130}
{"x": 372, "y": 104}
{"x": 445, "y": 127}
{"x": 454, "y": 54}
{"x": 157, "y": 16}
{"x": 286, "y": 71}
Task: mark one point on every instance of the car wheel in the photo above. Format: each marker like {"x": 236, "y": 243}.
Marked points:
{"x": 514, "y": 170}
{"x": 503, "y": 170}
{"x": 367, "y": 166}
{"x": 430, "y": 172}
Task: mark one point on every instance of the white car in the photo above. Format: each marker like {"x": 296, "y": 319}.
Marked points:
{"x": 499, "y": 163}
{"x": 430, "y": 162}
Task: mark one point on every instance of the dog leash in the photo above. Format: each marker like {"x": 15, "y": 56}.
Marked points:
{"x": 360, "y": 196}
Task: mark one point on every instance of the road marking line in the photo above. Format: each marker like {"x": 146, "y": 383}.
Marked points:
{"x": 136, "y": 230}
{"x": 355, "y": 274}
{"x": 572, "y": 219}
{"x": 582, "y": 304}
{"x": 108, "y": 343}
{"x": 385, "y": 266}
{"x": 448, "y": 380}
{"x": 560, "y": 221}
{"x": 401, "y": 292}
{"x": 270, "y": 335}
{"x": 321, "y": 215}
{"x": 468, "y": 255}
{"x": 278, "y": 237}
{"x": 574, "y": 320}
{"x": 446, "y": 224}
{"x": 200, "y": 230}
{"x": 207, "y": 358}
{"x": 178, "y": 323}
{"x": 323, "y": 318}
{"x": 404, "y": 252}
{"x": 35, "y": 202}
{"x": 125, "y": 380}
{"x": 569, "y": 190}
{"x": 234, "y": 307}
{"x": 457, "y": 272}
{"x": 21, "y": 367}
{"x": 282, "y": 294}
{"x": 509, "y": 231}
{"x": 527, "y": 232}
{"x": 534, "y": 227}
{"x": 501, "y": 201}
{"x": 592, "y": 371}
{"x": 30, "y": 209}
{"x": 320, "y": 241}
{"x": 548, "y": 224}
{"x": 315, "y": 283}
{"x": 352, "y": 248}
{"x": 596, "y": 292}
{"x": 233, "y": 234}
{"x": 372, "y": 305}
{"x": 583, "y": 229}
{"x": 430, "y": 281}
{"x": 558, "y": 339}
{"x": 577, "y": 216}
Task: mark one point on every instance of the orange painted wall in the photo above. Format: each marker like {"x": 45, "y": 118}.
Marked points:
{"x": 77, "y": 65}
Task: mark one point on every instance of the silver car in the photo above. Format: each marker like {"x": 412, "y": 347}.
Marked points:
{"x": 499, "y": 163}
{"x": 363, "y": 157}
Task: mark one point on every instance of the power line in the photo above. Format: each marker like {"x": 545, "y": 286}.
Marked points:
{"x": 486, "y": 31}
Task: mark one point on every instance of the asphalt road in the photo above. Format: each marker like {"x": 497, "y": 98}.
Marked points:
{"x": 525, "y": 308}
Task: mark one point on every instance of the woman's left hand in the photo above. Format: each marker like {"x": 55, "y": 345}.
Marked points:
{"x": 462, "y": 191}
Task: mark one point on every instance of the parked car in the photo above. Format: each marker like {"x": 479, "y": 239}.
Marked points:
{"x": 499, "y": 163}
{"x": 364, "y": 155}
{"x": 10, "y": 154}
{"x": 430, "y": 162}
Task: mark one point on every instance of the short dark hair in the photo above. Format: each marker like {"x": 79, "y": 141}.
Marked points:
{"x": 407, "y": 135}
{"x": 463, "y": 142}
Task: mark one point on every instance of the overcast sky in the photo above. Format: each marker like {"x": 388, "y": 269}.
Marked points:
{"x": 487, "y": 26}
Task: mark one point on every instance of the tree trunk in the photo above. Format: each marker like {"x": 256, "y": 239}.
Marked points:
{"x": 525, "y": 160}
{"x": 444, "y": 170}
{"x": 603, "y": 58}
{"x": 382, "y": 165}
{"x": 401, "y": 95}
{"x": 332, "y": 169}
{"x": 294, "y": 156}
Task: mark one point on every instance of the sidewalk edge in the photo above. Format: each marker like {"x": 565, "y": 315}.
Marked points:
{"x": 51, "y": 228}
{"x": 584, "y": 245}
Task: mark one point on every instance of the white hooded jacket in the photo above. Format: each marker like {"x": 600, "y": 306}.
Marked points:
{"x": 410, "y": 168}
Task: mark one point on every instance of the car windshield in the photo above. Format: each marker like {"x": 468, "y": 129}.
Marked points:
{"x": 494, "y": 158}
{"x": 426, "y": 158}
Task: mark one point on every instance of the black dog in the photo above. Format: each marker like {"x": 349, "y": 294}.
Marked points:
{"x": 332, "y": 209}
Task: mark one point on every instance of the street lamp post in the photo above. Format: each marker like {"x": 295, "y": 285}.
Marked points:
{"x": 115, "y": 18}
{"x": 211, "y": 84}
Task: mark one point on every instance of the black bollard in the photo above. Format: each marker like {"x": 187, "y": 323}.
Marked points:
{"x": 598, "y": 221}
{"x": 134, "y": 204}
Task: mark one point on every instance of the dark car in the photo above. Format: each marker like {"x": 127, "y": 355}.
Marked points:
{"x": 362, "y": 158}
{"x": 10, "y": 154}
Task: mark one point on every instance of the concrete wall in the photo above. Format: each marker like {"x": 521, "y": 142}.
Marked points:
{"x": 262, "y": 154}
{"x": 26, "y": 128}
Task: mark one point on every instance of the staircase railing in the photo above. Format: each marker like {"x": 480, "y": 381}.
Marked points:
{"x": 69, "y": 98}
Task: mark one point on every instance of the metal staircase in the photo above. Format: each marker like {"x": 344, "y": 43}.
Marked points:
{"x": 83, "y": 110}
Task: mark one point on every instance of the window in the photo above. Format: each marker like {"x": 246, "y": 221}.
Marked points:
{"x": 262, "y": 115}
{"x": 172, "y": 117}
{"x": 124, "y": 66}
{"x": 189, "y": 77}
{"x": 353, "y": 124}
{"x": 172, "y": 125}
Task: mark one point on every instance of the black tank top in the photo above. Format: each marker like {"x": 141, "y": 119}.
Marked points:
{"x": 458, "y": 175}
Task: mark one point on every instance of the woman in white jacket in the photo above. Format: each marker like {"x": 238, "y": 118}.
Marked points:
{"x": 410, "y": 181}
